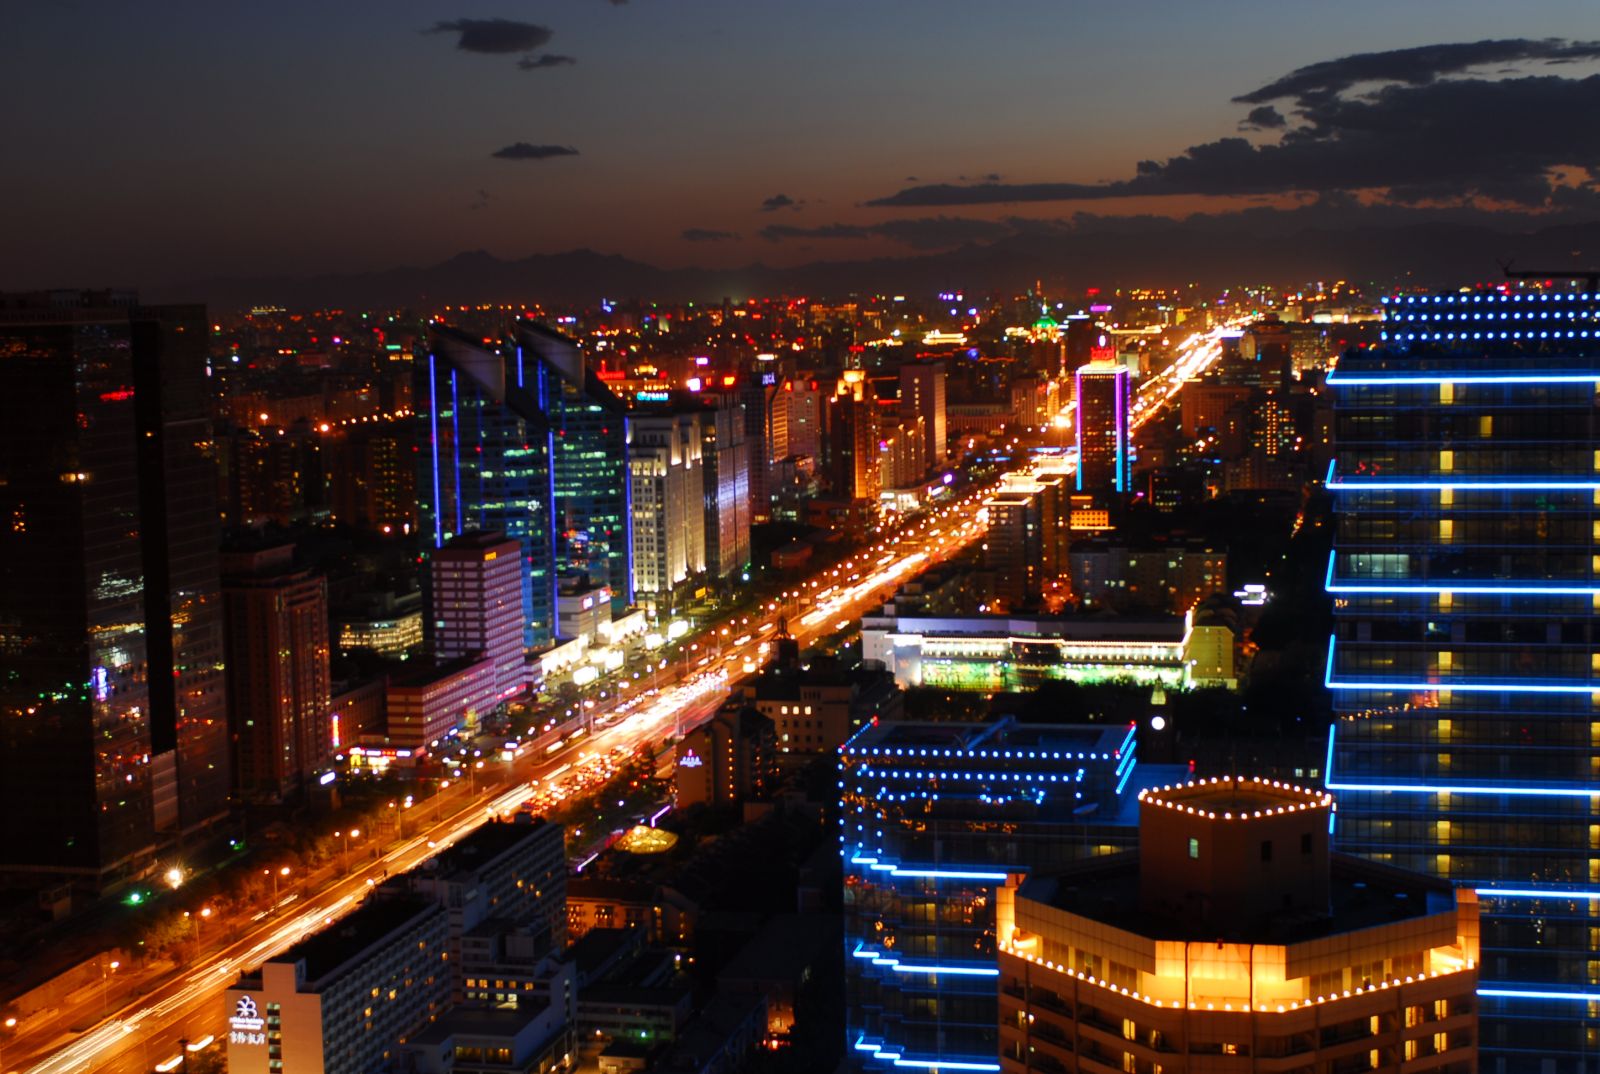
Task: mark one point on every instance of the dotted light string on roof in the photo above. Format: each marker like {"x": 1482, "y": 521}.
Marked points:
{"x": 1243, "y": 1008}
{"x": 1314, "y": 799}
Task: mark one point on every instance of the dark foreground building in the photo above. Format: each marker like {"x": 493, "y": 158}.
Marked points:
{"x": 113, "y": 736}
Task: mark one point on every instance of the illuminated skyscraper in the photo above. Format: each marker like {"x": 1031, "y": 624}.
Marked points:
{"x": 668, "y": 510}
{"x": 851, "y": 440}
{"x": 588, "y": 459}
{"x": 922, "y": 390}
{"x": 936, "y": 818}
{"x": 485, "y": 461}
{"x": 112, "y": 726}
{"x": 1465, "y": 664}
{"x": 1104, "y": 463}
{"x": 520, "y": 436}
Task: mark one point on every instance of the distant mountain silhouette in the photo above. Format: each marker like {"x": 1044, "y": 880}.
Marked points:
{"x": 1212, "y": 253}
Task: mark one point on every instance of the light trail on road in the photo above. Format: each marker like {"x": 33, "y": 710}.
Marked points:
{"x": 836, "y": 596}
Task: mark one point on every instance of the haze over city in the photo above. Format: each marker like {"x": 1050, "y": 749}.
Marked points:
{"x": 201, "y": 141}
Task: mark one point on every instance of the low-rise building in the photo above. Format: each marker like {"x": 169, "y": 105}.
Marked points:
{"x": 532, "y": 1039}
{"x": 343, "y": 1000}
{"x": 514, "y": 871}
{"x": 429, "y": 703}
{"x": 730, "y": 757}
{"x": 1000, "y": 652}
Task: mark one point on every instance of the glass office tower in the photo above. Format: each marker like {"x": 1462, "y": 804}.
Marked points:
{"x": 935, "y": 817}
{"x": 1465, "y": 663}
{"x": 484, "y": 461}
{"x": 589, "y": 459}
{"x": 520, "y": 436}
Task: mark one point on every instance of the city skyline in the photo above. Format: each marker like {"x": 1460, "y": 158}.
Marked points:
{"x": 356, "y": 140}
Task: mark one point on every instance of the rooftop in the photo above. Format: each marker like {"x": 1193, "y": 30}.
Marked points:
{"x": 993, "y": 738}
{"x": 326, "y": 951}
{"x": 486, "y": 843}
{"x": 1363, "y": 895}
{"x": 1230, "y": 796}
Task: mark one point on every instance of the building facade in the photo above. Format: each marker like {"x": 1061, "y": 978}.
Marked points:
{"x": 922, "y": 395}
{"x": 668, "y": 505}
{"x": 113, "y": 730}
{"x": 1464, "y": 668}
{"x": 343, "y": 1000}
{"x": 477, "y": 605}
{"x": 936, "y": 819}
{"x": 279, "y": 691}
{"x": 1232, "y": 942}
{"x": 1105, "y": 462}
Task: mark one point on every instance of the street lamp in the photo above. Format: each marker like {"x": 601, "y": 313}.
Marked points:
{"x": 345, "y": 835}
{"x": 10, "y": 1024}
{"x": 275, "y": 874}
{"x": 106, "y": 970}
{"x": 204, "y": 912}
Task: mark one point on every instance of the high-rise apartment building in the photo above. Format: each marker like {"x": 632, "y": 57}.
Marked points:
{"x": 922, "y": 388}
{"x": 668, "y": 485}
{"x": 1023, "y": 543}
{"x": 522, "y": 437}
{"x": 1104, "y": 460}
{"x": 279, "y": 686}
{"x": 113, "y": 734}
{"x": 1465, "y": 662}
{"x": 726, "y": 458}
{"x": 477, "y": 605}
{"x": 851, "y": 438}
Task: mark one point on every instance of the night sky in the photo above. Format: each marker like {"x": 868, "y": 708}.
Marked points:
{"x": 180, "y": 141}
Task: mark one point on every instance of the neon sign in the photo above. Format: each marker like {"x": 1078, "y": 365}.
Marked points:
{"x": 690, "y": 759}
{"x": 246, "y": 1026}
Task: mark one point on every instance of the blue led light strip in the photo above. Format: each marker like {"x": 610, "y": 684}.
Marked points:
{"x": 1459, "y": 685}
{"x": 1469, "y": 378}
{"x": 958, "y": 969}
{"x": 927, "y": 872}
{"x": 888, "y": 1054}
{"x": 1537, "y": 893}
{"x": 1127, "y": 776}
{"x": 1465, "y": 788}
{"x": 1531, "y": 993}
{"x": 1469, "y": 485}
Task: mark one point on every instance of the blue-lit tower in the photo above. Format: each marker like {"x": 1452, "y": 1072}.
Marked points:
{"x": 935, "y": 817}
{"x": 588, "y": 448}
{"x": 1465, "y": 664}
{"x": 484, "y": 460}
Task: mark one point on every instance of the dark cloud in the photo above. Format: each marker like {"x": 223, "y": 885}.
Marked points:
{"x": 1421, "y": 138}
{"x": 494, "y": 35}
{"x": 1265, "y": 118}
{"x": 702, "y": 234}
{"x": 927, "y": 233}
{"x": 526, "y": 151}
{"x": 778, "y": 201}
{"x": 1413, "y": 66}
{"x": 549, "y": 59}
{"x": 780, "y": 232}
